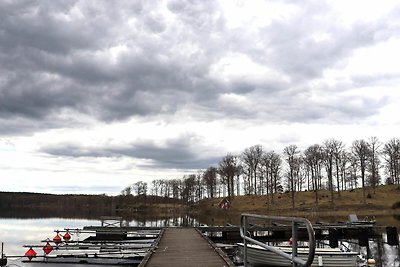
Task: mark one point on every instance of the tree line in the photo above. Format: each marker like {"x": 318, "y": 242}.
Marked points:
{"x": 31, "y": 205}
{"x": 258, "y": 171}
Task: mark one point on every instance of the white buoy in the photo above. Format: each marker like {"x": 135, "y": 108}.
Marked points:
{"x": 320, "y": 262}
{"x": 371, "y": 262}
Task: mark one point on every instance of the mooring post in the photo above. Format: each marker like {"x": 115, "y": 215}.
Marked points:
{"x": 320, "y": 261}
{"x": 3, "y": 260}
{"x": 333, "y": 238}
{"x": 294, "y": 243}
{"x": 392, "y": 236}
{"x": 245, "y": 241}
{"x": 363, "y": 240}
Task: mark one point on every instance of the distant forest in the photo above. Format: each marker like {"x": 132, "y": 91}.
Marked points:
{"x": 33, "y": 205}
{"x": 258, "y": 171}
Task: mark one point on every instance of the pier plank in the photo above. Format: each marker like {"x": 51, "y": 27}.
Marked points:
{"x": 185, "y": 247}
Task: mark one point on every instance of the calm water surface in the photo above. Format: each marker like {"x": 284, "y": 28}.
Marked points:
{"x": 15, "y": 233}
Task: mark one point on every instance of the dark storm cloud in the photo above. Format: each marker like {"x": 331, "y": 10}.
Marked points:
{"x": 52, "y": 60}
{"x": 179, "y": 153}
{"x": 175, "y": 154}
{"x": 55, "y": 57}
{"x": 76, "y": 151}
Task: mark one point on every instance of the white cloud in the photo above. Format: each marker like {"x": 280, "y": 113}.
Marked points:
{"x": 255, "y": 14}
{"x": 240, "y": 68}
{"x": 350, "y": 12}
{"x": 381, "y": 59}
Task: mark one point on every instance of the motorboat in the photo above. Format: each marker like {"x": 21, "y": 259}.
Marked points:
{"x": 330, "y": 257}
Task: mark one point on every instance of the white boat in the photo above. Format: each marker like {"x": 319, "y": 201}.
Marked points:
{"x": 116, "y": 248}
{"x": 126, "y": 257}
{"x": 331, "y": 257}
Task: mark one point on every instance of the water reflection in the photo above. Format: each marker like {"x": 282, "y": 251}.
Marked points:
{"x": 164, "y": 222}
{"x": 18, "y": 232}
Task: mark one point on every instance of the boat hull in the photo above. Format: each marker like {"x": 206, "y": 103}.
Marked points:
{"x": 258, "y": 256}
{"x": 130, "y": 261}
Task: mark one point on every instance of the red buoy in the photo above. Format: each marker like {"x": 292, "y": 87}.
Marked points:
{"x": 57, "y": 239}
{"x": 30, "y": 254}
{"x": 47, "y": 248}
{"x": 67, "y": 237}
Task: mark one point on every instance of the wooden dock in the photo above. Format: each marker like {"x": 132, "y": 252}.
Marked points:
{"x": 185, "y": 247}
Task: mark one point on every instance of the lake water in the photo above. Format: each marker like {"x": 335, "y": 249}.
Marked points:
{"x": 15, "y": 233}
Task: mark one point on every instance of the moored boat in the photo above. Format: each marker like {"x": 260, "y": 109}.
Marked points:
{"x": 331, "y": 257}
{"x": 98, "y": 259}
{"x": 105, "y": 247}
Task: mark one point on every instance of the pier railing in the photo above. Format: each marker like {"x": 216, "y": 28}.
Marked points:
{"x": 296, "y": 261}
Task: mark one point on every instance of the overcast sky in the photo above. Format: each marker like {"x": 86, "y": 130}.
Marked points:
{"x": 97, "y": 95}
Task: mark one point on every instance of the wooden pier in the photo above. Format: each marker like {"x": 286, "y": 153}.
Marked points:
{"x": 193, "y": 246}
{"x": 268, "y": 232}
{"x": 185, "y": 247}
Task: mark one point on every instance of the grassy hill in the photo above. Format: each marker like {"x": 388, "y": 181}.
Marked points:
{"x": 385, "y": 201}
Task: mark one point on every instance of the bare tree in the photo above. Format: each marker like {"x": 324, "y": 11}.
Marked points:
{"x": 210, "y": 181}
{"x": 176, "y": 185}
{"x": 352, "y": 171}
{"x": 338, "y": 150}
{"x": 314, "y": 159}
{"x": 275, "y": 168}
{"x": 140, "y": 188}
{"x": 199, "y": 186}
{"x": 391, "y": 152}
{"x": 343, "y": 159}
{"x": 188, "y": 188}
{"x": 127, "y": 191}
{"x": 154, "y": 188}
{"x": 251, "y": 158}
{"x": 292, "y": 158}
{"x": 272, "y": 166}
{"x": 329, "y": 154}
{"x": 374, "y": 162}
{"x": 228, "y": 169}
{"x": 360, "y": 150}
{"x": 239, "y": 172}
{"x": 298, "y": 179}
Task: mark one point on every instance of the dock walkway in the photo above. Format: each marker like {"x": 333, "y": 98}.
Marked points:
{"x": 185, "y": 247}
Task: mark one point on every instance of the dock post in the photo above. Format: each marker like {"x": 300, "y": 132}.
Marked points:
{"x": 294, "y": 242}
{"x": 392, "y": 236}
{"x": 320, "y": 261}
{"x": 333, "y": 238}
{"x": 3, "y": 260}
{"x": 363, "y": 240}
{"x": 245, "y": 242}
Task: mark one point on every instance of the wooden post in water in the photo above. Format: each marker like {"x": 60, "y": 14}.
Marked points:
{"x": 363, "y": 240}
{"x": 392, "y": 236}
{"x": 333, "y": 238}
{"x": 294, "y": 242}
{"x": 3, "y": 260}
